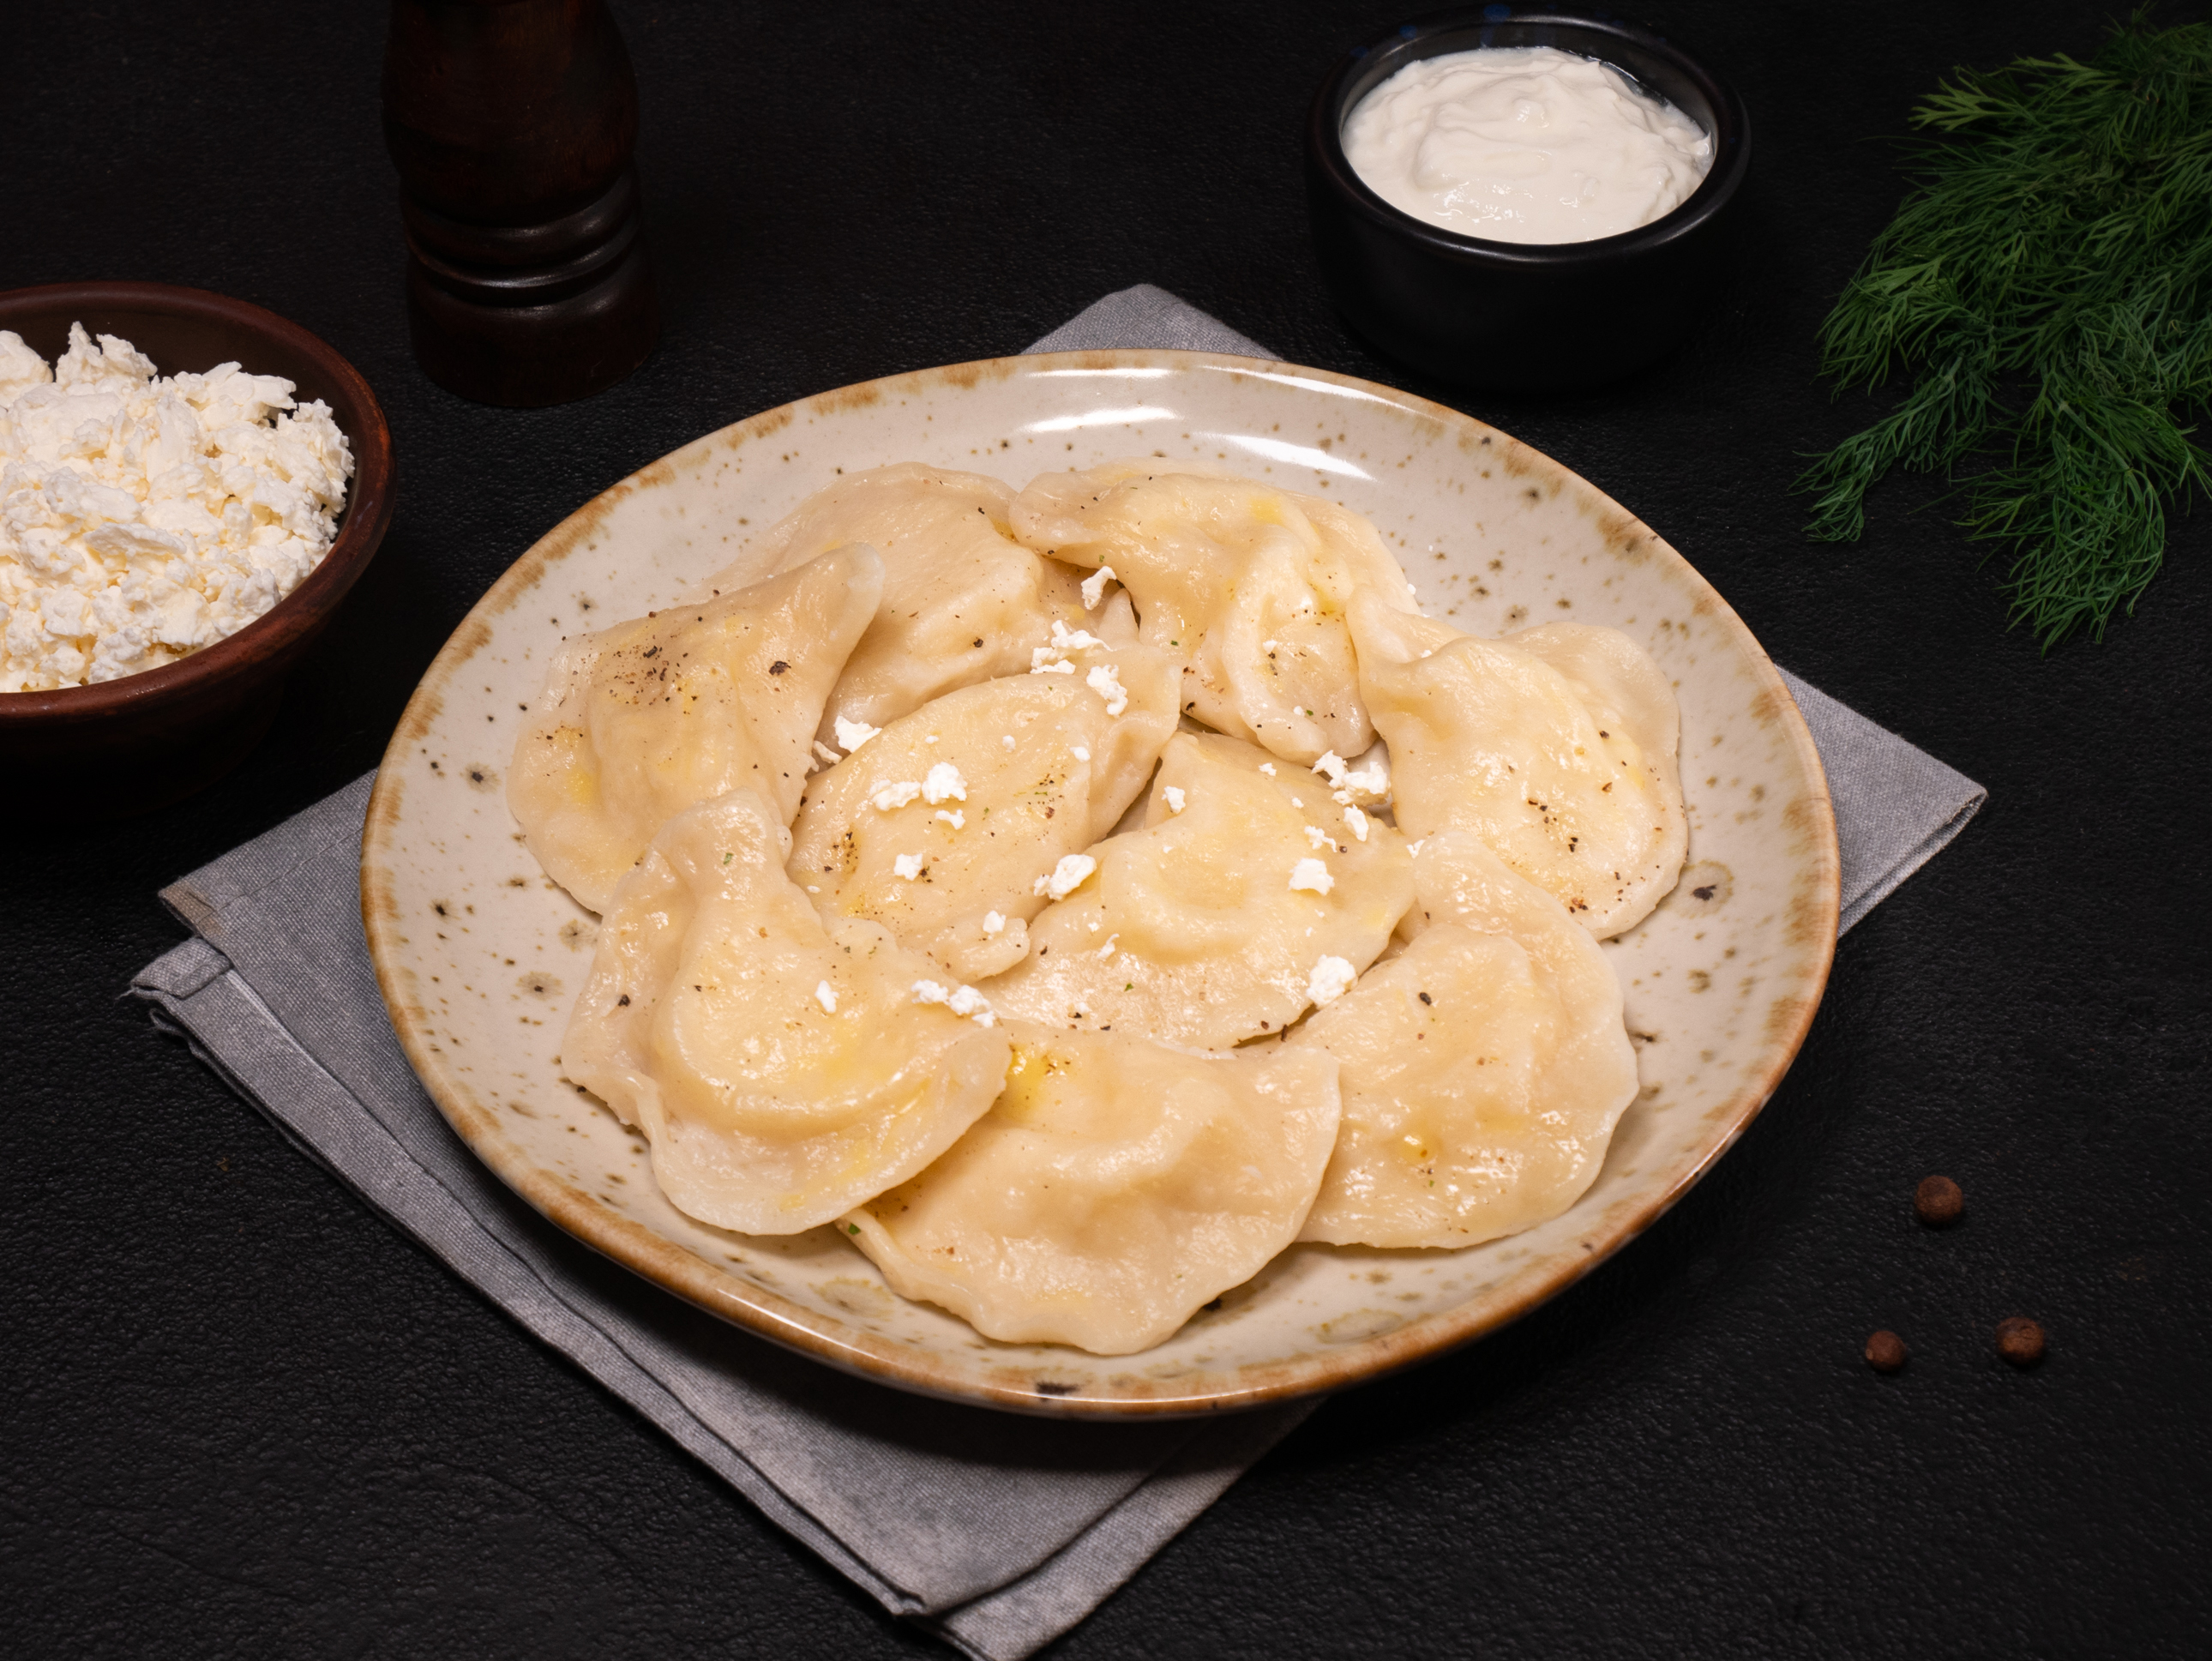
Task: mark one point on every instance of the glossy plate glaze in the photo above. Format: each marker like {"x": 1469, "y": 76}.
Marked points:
{"x": 480, "y": 957}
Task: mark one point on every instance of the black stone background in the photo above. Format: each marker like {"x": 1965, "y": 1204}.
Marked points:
{"x": 239, "y": 1416}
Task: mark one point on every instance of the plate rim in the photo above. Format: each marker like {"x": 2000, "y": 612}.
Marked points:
{"x": 767, "y": 1314}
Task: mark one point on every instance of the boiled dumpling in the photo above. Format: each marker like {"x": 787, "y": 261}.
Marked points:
{"x": 938, "y": 826}
{"x": 1557, "y": 748}
{"x": 1247, "y": 896}
{"x": 1114, "y": 1187}
{"x": 1618, "y": 682}
{"x": 643, "y": 719}
{"x": 784, "y": 1072}
{"x": 963, "y": 601}
{"x": 1245, "y": 584}
{"x": 1484, "y": 1068}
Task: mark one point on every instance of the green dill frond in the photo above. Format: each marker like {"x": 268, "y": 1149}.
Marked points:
{"x": 2054, "y": 253}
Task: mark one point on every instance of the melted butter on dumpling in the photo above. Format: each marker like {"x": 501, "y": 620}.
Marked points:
{"x": 1246, "y": 584}
{"x": 1224, "y": 917}
{"x": 645, "y": 719}
{"x": 883, "y": 833}
{"x": 1556, "y": 747}
{"x": 1484, "y": 1068}
{"x": 783, "y": 1072}
{"x": 1113, "y": 1189}
{"x": 963, "y": 601}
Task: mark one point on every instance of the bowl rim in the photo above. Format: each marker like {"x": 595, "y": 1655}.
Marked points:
{"x": 846, "y": 1345}
{"x": 1731, "y": 138}
{"x": 366, "y": 517}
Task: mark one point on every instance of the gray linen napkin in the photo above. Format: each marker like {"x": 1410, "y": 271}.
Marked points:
{"x": 997, "y": 1532}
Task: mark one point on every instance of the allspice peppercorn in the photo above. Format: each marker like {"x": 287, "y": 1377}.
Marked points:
{"x": 2020, "y": 1341}
{"x": 1886, "y": 1352}
{"x": 1937, "y": 1201}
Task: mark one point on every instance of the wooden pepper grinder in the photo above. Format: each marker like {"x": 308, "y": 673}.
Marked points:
{"x": 512, "y": 124}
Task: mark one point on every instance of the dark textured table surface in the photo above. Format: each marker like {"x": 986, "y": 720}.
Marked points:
{"x": 244, "y": 1417}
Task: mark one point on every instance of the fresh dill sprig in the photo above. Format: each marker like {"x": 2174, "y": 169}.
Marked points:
{"x": 2048, "y": 283}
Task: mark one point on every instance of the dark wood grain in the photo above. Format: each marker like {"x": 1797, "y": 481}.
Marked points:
{"x": 512, "y": 125}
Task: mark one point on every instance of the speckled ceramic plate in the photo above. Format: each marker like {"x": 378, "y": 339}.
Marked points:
{"x": 480, "y": 956}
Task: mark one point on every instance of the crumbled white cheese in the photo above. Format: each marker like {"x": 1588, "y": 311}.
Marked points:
{"x": 1053, "y": 659}
{"x": 952, "y": 816}
{"x": 1332, "y": 767}
{"x": 1106, "y": 681}
{"x": 1313, "y": 874}
{"x": 852, "y": 734}
{"x": 144, "y": 518}
{"x": 1298, "y": 801}
{"x": 961, "y": 1000}
{"x": 1268, "y": 768}
{"x": 1094, "y": 587}
{"x": 1072, "y": 640}
{"x": 1317, "y": 836}
{"x": 943, "y": 784}
{"x": 1331, "y": 979}
{"x": 1107, "y": 950}
{"x": 1007, "y": 741}
{"x": 829, "y": 757}
{"x": 1066, "y": 877}
{"x": 1175, "y": 798}
{"x": 1357, "y": 821}
{"x": 908, "y": 866}
{"x": 994, "y": 923}
{"x": 1080, "y": 753}
{"x": 826, "y": 997}
{"x": 893, "y": 796}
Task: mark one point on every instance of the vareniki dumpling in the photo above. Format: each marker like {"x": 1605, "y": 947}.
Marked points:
{"x": 1248, "y": 894}
{"x": 1484, "y": 1067}
{"x": 784, "y": 1072}
{"x": 1245, "y": 584}
{"x": 938, "y": 826}
{"x": 645, "y": 719}
{"x": 1557, "y": 748}
{"x": 1114, "y": 1187}
{"x": 962, "y": 601}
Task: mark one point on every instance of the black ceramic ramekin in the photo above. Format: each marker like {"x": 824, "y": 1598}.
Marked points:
{"x": 1510, "y": 315}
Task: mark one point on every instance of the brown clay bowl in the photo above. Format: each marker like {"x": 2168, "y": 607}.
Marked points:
{"x": 129, "y": 745}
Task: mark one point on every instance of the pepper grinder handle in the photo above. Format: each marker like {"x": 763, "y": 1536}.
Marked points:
{"x": 512, "y": 124}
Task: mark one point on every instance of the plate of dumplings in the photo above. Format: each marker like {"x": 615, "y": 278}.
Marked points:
{"x": 1105, "y": 883}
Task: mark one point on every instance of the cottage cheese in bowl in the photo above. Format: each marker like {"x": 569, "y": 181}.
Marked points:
{"x": 144, "y": 516}
{"x": 1524, "y": 145}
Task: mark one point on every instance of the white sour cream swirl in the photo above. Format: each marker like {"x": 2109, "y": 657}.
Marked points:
{"x": 1524, "y": 145}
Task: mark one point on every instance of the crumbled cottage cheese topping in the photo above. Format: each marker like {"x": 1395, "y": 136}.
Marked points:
{"x": 143, "y": 517}
{"x": 1331, "y": 979}
{"x": 1065, "y": 878}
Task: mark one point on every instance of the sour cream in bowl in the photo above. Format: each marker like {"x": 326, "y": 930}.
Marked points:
{"x": 1527, "y": 198}
{"x": 1524, "y": 145}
